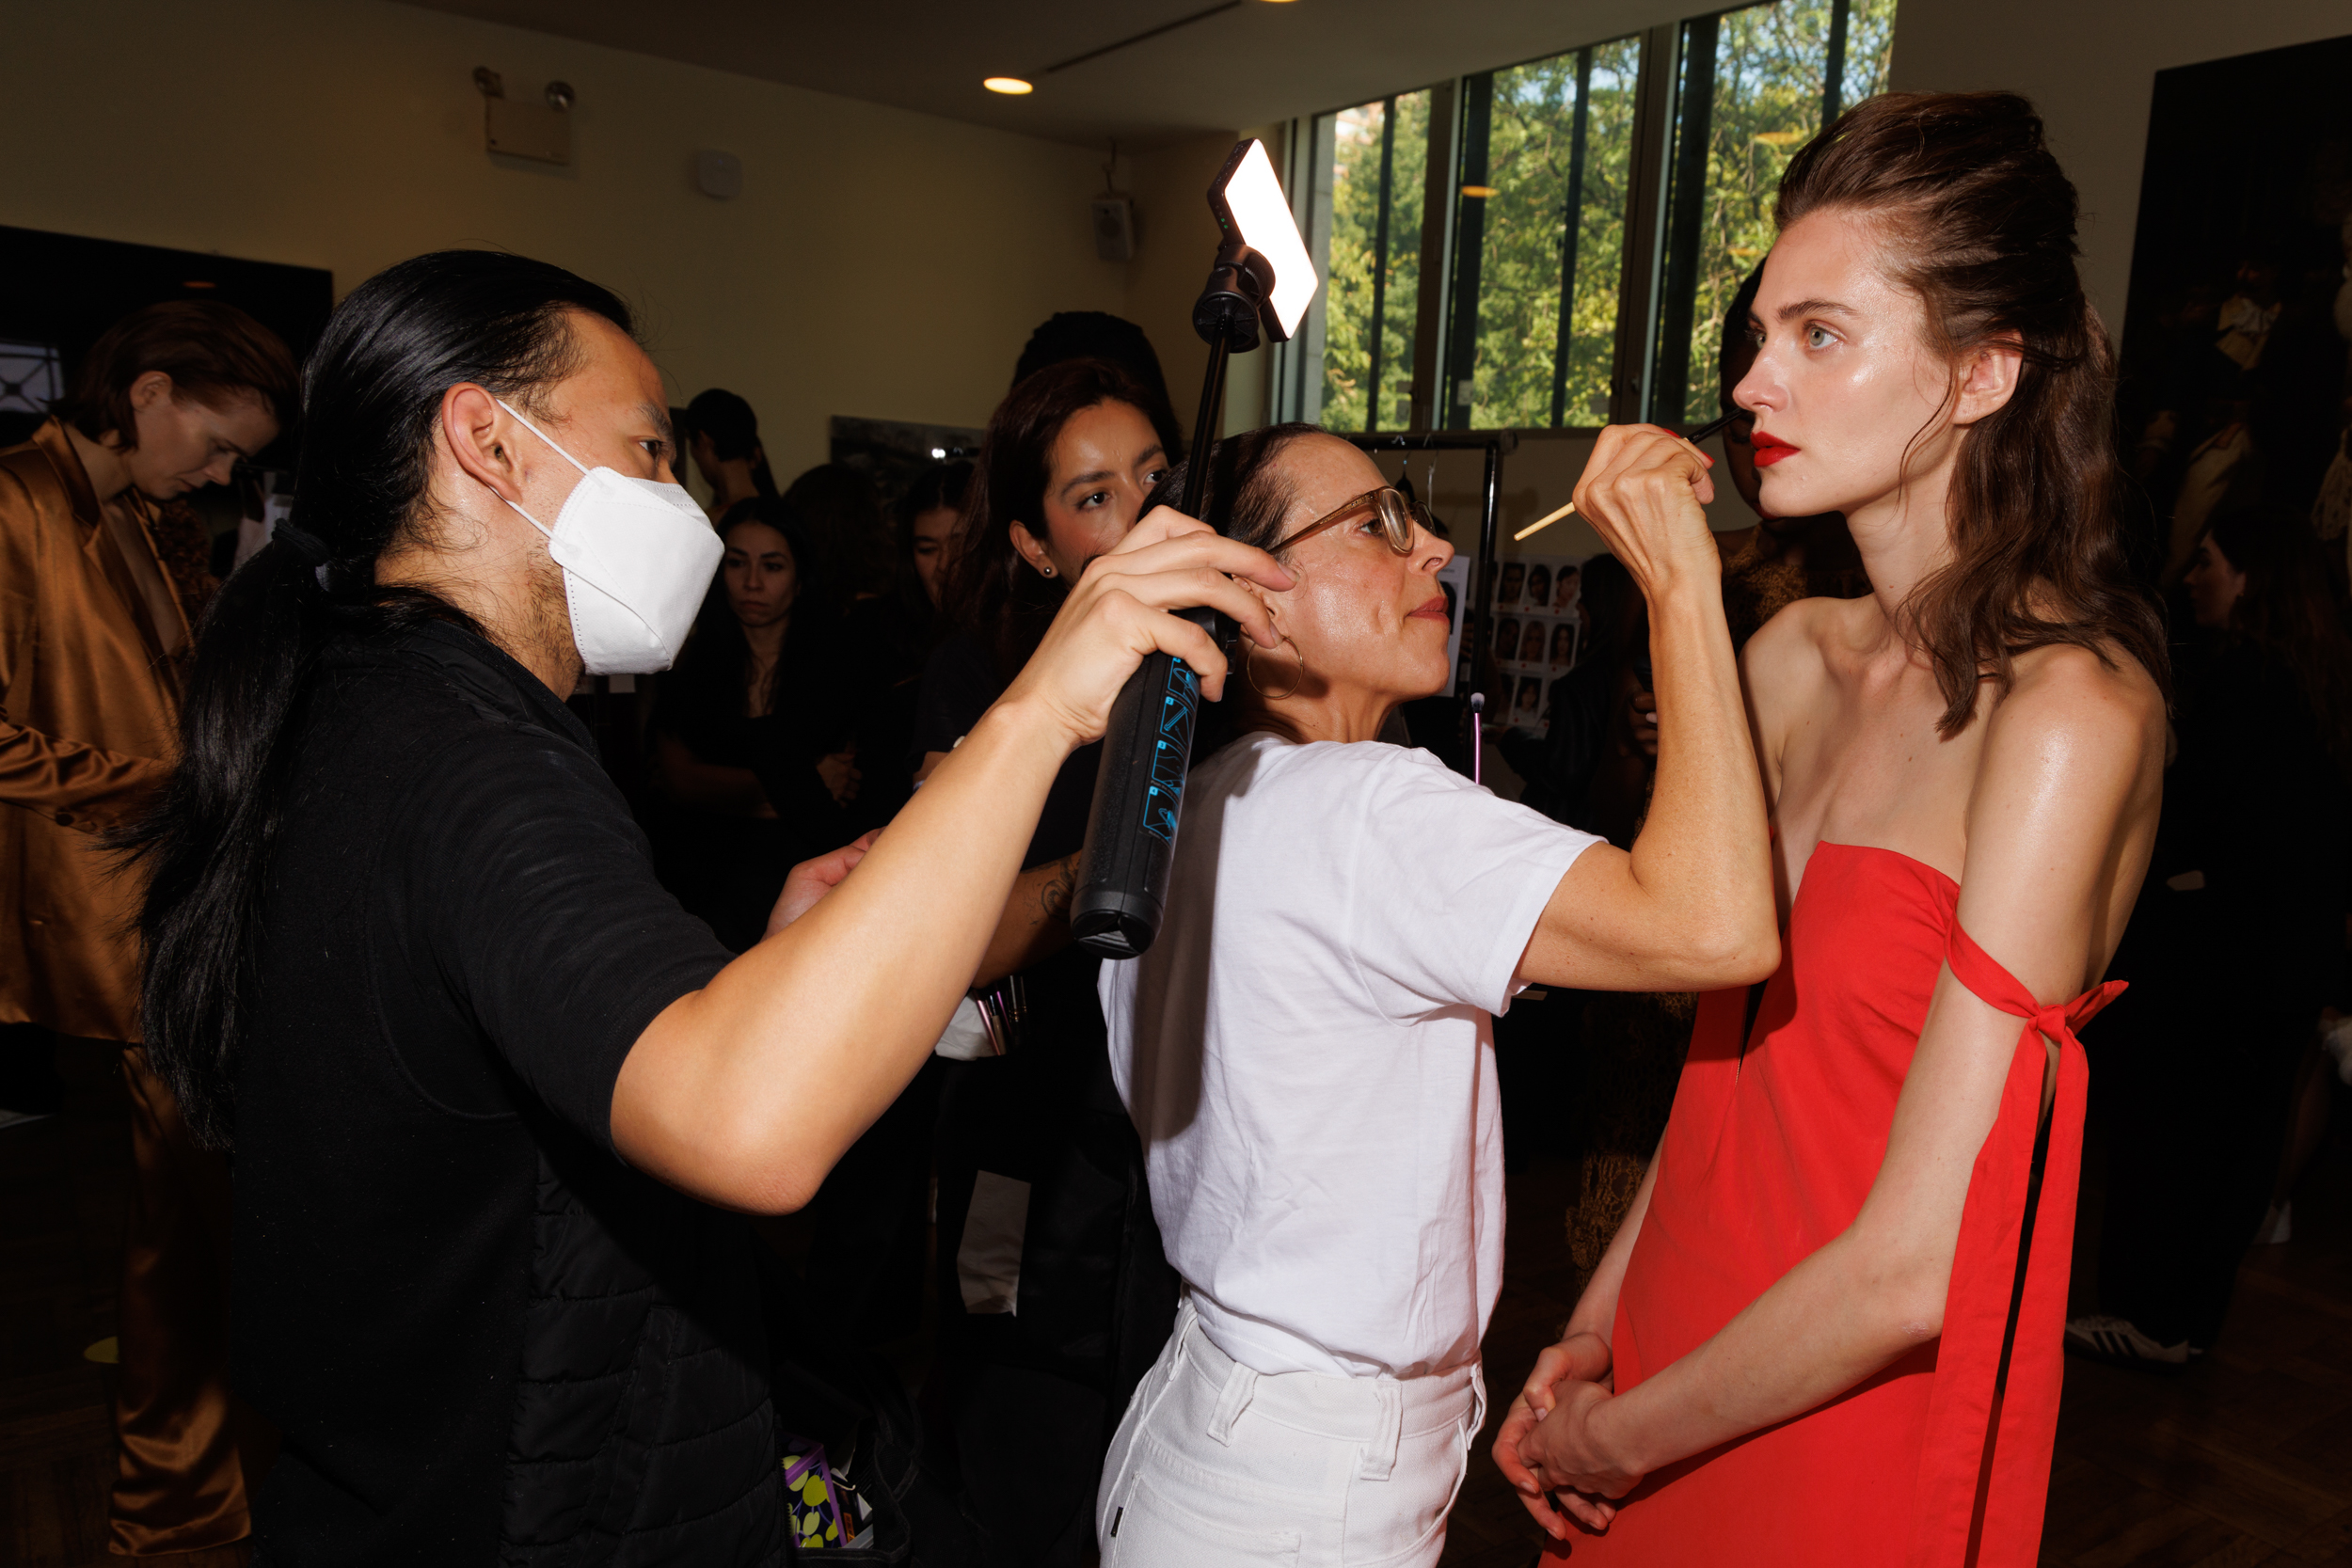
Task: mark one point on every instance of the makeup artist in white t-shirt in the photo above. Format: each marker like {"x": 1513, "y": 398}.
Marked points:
{"x": 1307, "y": 1050}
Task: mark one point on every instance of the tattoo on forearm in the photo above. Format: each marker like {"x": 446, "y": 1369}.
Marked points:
{"x": 1061, "y": 885}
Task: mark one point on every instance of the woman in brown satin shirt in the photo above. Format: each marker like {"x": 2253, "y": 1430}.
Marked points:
{"x": 92, "y": 623}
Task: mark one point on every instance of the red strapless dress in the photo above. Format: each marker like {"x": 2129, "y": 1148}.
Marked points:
{"x": 1944, "y": 1457}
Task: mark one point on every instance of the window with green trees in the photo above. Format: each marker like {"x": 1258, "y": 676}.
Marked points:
{"x": 1379, "y": 162}
{"x": 1754, "y": 86}
{"x": 1540, "y": 240}
{"x": 1603, "y": 207}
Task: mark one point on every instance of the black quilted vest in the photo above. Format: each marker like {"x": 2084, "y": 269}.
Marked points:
{"x": 643, "y": 1431}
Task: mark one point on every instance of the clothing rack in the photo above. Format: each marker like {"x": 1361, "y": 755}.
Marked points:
{"x": 1496, "y": 444}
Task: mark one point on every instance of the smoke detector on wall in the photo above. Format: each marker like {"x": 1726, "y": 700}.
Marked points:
{"x": 1114, "y": 228}
{"x": 522, "y": 129}
{"x": 717, "y": 174}
{"x": 1114, "y": 216}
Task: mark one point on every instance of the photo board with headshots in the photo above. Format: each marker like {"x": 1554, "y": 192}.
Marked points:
{"x": 1536, "y": 624}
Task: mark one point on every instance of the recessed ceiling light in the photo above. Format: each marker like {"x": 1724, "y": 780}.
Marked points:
{"x": 1013, "y": 86}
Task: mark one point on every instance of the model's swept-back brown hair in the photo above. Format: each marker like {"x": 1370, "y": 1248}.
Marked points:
{"x": 1978, "y": 221}
{"x": 212, "y": 352}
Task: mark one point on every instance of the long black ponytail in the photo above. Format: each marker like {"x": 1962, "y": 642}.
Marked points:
{"x": 371, "y": 404}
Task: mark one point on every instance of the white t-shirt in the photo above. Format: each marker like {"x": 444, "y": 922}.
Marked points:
{"x": 1308, "y": 1050}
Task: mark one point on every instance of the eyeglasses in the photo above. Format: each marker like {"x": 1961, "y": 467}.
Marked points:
{"x": 1398, "y": 518}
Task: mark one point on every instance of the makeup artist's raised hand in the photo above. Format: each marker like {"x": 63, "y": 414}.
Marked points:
{"x": 1581, "y": 1357}
{"x": 1646, "y": 489}
{"x": 1119, "y": 610}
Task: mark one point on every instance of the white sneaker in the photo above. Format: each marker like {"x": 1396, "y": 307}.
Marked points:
{"x": 2278, "y": 1226}
{"x": 2116, "y": 1341}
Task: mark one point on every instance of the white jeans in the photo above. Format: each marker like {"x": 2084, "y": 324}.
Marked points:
{"x": 1216, "y": 1464}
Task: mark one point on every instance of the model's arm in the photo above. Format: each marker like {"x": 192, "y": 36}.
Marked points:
{"x": 1779, "y": 672}
{"x": 69, "y": 781}
{"x": 1584, "y": 1353}
{"x": 2059, "y": 824}
{"x": 745, "y": 1092}
{"x": 1689, "y": 907}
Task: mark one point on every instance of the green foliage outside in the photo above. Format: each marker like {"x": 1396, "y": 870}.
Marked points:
{"x": 1529, "y": 152}
{"x": 1349, "y": 400}
{"x": 1769, "y": 69}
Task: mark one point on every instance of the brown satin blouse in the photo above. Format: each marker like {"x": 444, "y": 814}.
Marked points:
{"x": 89, "y": 716}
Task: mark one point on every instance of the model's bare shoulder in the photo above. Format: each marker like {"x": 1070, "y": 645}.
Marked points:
{"x": 2102, "y": 698}
{"x": 2073, "y": 750}
{"x": 1787, "y": 659}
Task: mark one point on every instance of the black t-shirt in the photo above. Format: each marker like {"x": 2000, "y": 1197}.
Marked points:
{"x": 959, "y": 684}
{"x": 463, "y": 938}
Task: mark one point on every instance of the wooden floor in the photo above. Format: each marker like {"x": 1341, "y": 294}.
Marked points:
{"x": 2244, "y": 1460}
{"x": 63, "y": 1183}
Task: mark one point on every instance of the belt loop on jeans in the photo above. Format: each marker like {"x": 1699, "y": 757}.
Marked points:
{"x": 1241, "y": 1386}
{"x": 1379, "y": 1460}
{"x": 1187, "y": 1320}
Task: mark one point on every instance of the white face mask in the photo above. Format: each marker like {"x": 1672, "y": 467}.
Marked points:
{"x": 638, "y": 556}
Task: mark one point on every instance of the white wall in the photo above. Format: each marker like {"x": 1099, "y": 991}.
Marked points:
{"x": 2090, "y": 68}
{"x": 879, "y": 262}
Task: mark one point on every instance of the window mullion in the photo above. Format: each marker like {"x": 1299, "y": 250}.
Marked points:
{"x": 1670, "y": 383}
{"x": 1437, "y": 252}
{"x": 1571, "y": 223}
{"x": 1380, "y": 263}
{"x": 1469, "y": 234}
{"x": 1834, "y": 68}
{"x": 1637, "y": 288}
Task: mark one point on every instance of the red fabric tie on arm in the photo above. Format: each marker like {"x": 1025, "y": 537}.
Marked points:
{"x": 1984, "y": 1476}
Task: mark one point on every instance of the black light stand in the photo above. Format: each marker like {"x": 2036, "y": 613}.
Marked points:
{"x": 1138, "y": 796}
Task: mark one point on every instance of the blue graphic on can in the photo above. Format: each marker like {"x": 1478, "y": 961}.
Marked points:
{"x": 1172, "y": 752}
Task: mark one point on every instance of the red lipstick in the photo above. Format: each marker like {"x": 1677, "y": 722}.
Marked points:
{"x": 1768, "y": 448}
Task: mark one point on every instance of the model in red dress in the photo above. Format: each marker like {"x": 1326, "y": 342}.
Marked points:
{"x": 1768, "y": 1155}
{"x": 1829, "y": 1329}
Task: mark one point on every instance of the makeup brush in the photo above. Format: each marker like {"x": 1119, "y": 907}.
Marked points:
{"x": 1712, "y": 427}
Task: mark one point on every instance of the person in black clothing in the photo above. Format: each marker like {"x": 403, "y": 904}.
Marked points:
{"x": 752, "y": 731}
{"x": 491, "y": 1091}
{"x": 1036, "y": 1159}
{"x": 2232, "y": 948}
{"x": 889, "y": 639}
{"x": 722, "y": 434}
{"x": 843, "y": 513}
{"x": 872, "y": 1216}
{"x": 931, "y": 515}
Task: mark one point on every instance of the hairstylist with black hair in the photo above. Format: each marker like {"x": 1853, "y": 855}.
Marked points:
{"x": 490, "y": 1089}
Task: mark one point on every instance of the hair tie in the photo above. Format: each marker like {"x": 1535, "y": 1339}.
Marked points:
{"x": 306, "y": 547}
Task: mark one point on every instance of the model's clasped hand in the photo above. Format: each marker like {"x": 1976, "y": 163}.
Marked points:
{"x": 1547, "y": 1449}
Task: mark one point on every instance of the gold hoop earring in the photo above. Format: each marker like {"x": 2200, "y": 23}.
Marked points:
{"x": 1249, "y": 672}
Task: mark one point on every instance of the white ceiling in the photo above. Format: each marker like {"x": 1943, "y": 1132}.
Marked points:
{"x": 1249, "y": 64}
